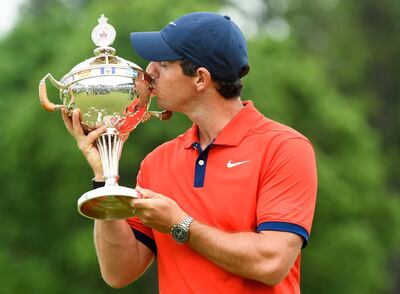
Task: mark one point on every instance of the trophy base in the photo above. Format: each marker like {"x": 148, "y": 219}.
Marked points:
{"x": 108, "y": 203}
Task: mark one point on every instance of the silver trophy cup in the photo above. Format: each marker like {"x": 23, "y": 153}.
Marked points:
{"x": 113, "y": 92}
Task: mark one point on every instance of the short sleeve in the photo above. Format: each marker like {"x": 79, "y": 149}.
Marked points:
{"x": 142, "y": 233}
{"x": 287, "y": 189}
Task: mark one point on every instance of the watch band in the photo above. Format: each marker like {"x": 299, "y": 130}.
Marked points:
{"x": 186, "y": 222}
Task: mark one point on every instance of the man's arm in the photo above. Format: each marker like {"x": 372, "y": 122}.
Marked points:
{"x": 122, "y": 258}
{"x": 266, "y": 257}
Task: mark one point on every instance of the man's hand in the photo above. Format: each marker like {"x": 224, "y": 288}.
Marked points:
{"x": 157, "y": 211}
{"x": 86, "y": 143}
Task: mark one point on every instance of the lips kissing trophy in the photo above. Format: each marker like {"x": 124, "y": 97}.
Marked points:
{"x": 113, "y": 92}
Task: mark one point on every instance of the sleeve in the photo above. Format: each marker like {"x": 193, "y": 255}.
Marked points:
{"x": 142, "y": 233}
{"x": 287, "y": 190}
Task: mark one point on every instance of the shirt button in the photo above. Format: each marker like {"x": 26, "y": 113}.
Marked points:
{"x": 201, "y": 162}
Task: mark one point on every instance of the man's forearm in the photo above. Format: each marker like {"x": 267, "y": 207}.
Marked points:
{"x": 121, "y": 257}
{"x": 248, "y": 254}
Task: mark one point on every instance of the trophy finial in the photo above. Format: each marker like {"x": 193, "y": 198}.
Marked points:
{"x": 102, "y": 19}
{"x": 103, "y": 35}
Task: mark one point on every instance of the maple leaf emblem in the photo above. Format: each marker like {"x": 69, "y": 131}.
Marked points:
{"x": 103, "y": 34}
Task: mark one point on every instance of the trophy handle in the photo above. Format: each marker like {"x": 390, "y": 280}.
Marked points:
{"x": 44, "y": 100}
{"x": 161, "y": 115}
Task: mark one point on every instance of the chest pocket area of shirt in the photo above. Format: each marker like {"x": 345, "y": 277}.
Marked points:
{"x": 232, "y": 188}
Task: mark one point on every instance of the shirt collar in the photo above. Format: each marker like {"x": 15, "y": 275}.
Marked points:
{"x": 191, "y": 136}
{"x": 234, "y": 132}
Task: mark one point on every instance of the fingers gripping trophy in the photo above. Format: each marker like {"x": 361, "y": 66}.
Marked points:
{"x": 112, "y": 92}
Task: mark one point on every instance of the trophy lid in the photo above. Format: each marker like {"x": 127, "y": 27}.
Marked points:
{"x": 103, "y": 35}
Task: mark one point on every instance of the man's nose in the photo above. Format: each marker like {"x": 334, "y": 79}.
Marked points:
{"x": 151, "y": 69}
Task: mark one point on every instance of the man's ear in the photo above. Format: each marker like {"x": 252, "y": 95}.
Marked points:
{"x": 202, "y": 79}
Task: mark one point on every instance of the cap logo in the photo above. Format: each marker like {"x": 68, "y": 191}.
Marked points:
{"x": 172, "y": 23}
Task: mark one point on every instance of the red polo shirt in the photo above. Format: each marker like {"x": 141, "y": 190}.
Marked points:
{"x": 256, "y": 175}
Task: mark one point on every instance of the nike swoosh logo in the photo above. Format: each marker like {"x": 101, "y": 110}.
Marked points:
{"x": 231, "y": 164}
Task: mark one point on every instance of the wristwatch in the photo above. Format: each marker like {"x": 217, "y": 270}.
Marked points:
{"x": 180, "y": 231}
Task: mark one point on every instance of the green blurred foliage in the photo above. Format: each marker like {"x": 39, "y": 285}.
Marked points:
{"x": 319, "y": 81}
{"x": 358, "y": 44}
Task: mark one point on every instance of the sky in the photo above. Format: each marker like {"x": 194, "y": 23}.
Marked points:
{"x": 8, "y": 15}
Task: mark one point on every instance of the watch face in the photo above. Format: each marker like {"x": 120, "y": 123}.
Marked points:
{"x": 180, "y": 234}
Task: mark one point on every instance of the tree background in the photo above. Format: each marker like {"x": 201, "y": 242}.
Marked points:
{"x": 328, "y": 68}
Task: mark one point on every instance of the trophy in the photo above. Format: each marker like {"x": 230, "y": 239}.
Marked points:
{"x": 113, "y": 92}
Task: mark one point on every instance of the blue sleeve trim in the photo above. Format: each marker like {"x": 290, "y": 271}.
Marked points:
{"x": 285, "y": 227}
{"x": 146, "y": 240}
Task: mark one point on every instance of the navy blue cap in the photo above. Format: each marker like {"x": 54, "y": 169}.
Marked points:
{"x": 205, "y": 39}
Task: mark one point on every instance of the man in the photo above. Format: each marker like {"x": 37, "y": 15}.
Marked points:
{"x": 227, "y": 206}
